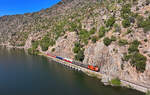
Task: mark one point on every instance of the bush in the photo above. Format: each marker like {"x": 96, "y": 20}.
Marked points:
{"x": 145, "y": 25}
{"x": 92, "y": 31}
{"x": 35, "y": 44}
{"x": 84, "y": 36}
{"x": 80, "y": 55}
{"x": 110, "y": 22}
{"x": 145, "y": 40}
{"x": 102, "y": 32}
{"x": 126, "y": 23}
{"x": 53, "y": 49}
{"x": 123, "y": 42}
{"x": 126, "y": 11}
{"x": 107, "y": 41}
{"x": 77, "y": 44}
{"x": 129, "y": 31}
{"x": 113, "y": 38}
{"x": 46, "y": 42}
{"x": 115, "y": 82}
{"x": 76, "y": 49}
{"x": 139, "y": 61}
{"x": 139, "y": 20}
{"x": 32, "y": 51}
{"x": 133, "y": 48}
{"x": 126, "y": 57}
{"x": 94, "y": 39}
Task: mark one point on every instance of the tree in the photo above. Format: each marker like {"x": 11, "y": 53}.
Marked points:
{"x": 123, "y": 42}
{"x": 102, "y": 32}
{"x": 94, "y": 39}
{"x": 80, "y": 55}
{"x": 107, "y": 41}
{"x": 110, "y": 22}
{"x": 126, "y": 23}
{"x": 139, "y": 61}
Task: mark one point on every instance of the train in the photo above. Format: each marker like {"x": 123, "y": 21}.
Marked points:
{"x": 91, "y": 67}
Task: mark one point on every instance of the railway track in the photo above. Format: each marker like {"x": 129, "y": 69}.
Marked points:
{"x": 133, "y": 85}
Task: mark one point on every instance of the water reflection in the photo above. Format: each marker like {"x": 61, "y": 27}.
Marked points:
{"x": 23, "y": 74}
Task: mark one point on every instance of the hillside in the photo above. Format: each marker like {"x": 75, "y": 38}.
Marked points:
{"x": 112, "y": 34}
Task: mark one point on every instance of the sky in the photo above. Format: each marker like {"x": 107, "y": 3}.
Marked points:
{"x": 12, "y": 7}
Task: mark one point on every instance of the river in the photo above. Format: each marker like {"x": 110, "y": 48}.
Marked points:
{"x": 23, "y": 74}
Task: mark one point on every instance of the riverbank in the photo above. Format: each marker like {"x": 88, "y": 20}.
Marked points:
{"x": 104, "y": 78}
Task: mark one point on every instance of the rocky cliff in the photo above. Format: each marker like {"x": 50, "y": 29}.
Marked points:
{"x": 112, "y": 34}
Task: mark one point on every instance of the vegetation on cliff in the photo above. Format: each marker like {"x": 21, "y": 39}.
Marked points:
{"x": 111, "y": 22}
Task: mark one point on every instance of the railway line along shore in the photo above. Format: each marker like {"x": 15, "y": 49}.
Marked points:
{"x": 98, "y": 75}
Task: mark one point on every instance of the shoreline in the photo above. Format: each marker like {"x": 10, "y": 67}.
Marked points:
{"x": 98, "y": 75}
{"x": 91, "y": 73}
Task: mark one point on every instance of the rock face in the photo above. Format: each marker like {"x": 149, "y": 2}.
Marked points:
{"x": 104, "y": 57}
{"x": 72, "y": 21}
{"x": 64, "y": 45}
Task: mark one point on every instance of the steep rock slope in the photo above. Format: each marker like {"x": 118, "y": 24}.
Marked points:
{"x": 112, "y": 34}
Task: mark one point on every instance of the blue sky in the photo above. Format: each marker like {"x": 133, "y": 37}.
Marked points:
{"x": 11, "y": 7}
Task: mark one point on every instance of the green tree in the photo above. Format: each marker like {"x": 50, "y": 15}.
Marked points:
{"x": 123, "y": 42}
{"x": 102, "y": 32}
{"x": 139, "y": 61}
{"x": 110, "y": 22}
{"x": 94, "y": 39}
{"x": 35, "y": 44}
{"x": 92, "y": 31}
{"x": 107, "y": 41}
{"x": 80, "y": 56}
{"x": 46, "y": 42}
{"x": 126, "y": 23}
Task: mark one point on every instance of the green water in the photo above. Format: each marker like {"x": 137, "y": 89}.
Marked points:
{"x": 23, "y": 74}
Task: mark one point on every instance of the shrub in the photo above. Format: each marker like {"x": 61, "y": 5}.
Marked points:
{"x": 136, "y": 43}
{"x": 46, "y": 42}
{"x": 102, "y": 32}
{"x": 113, "y": 38}
{"x": 84, "y": 36}
{"x": 129, "y": 31}
{"x": 133, "y": 48}
{"x": 73, "y": 26}
{"x": 94, "y": 39}
{"x": 92, "y": 31}
{"x": 53, "y": 49}
{"x": 126, "y": 11}
{"x": 35, "y": 44}
{"x": 126, "y": 23}
{"x": 115, "y": 82}
{"x": 32, "y": 51}
{"x": 139, "y": 20}
{"x": 110, "y": 22}
{"x": 76, "y": 49}
{"x": 77, "y": 44}
{"x": 139, "y": 61}
{"x": 145, "y": 40}
{"x": 80, "y": 56}
{"x": 107, "y": 41}
{"x": 145, "y": 25}
{"x": 123, "y": 42}
{"x": 126, "y": 57}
